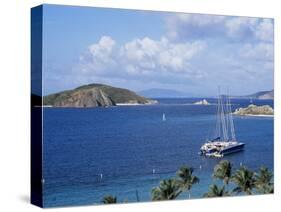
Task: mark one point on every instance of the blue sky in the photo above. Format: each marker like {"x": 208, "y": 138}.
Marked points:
{"x": 140, "y": 50}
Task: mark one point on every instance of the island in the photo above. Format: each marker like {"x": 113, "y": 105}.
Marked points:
{"x": 259, "y": 95}
{"x": 254, "y": 110}
{"x": 95, "y": 95}
{"x": 202, "y": 102}
{"x": 266, "y": 95}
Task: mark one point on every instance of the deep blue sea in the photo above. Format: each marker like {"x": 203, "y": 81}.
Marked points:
{"x": 125, "y": 143}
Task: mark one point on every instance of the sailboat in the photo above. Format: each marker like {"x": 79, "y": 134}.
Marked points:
{"x": 224, "y": 142}
{"x": 251, "y": 100}
{"x": 163, "y": 117}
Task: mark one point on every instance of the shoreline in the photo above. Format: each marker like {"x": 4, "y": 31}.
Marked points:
{"x": 107, "y": 106}
{"x": 255, "y": 115}
{"x": 134, "y": 104}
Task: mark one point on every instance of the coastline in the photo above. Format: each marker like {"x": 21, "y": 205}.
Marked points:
{"x": 134, "y": 104}
{"x": 255, "y": 115}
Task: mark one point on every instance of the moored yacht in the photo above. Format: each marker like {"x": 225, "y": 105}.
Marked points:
{"x": 225, "y": 141}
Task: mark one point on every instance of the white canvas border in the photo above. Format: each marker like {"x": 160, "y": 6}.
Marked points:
{"x": 15, "y": 86}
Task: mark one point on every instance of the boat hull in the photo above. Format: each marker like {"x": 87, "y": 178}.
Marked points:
{"x": 232, "y": 149}
{"x": 221, "y": 148}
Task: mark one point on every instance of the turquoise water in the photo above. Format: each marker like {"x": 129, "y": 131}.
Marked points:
{"x": 126, "y": 143}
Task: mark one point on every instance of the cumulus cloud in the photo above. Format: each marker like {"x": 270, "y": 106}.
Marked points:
{"x": 260, "y": 51}
{"x": 264, "y": 30}
{"x": 99, "y": 56}
{"x": 145, "y": 58}
{"x": 239, "y": 27}
{"x": 196, "y": 50}
{"x": 161, "y": 56}
{"x": 199, "y": 19}
{"x": 191, "y": 26}
{"x": 184, "y": 26}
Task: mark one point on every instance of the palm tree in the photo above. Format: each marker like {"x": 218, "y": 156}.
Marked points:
{"x": 222, "y": 171}
{"x": 264, "y": 182}
{"x": 167, "y": 190}
{"x": 186, "y": 179}
{"x": 244, "y": 180}
{"x": 215, "y": 191}
{"x": 109, "y": 200}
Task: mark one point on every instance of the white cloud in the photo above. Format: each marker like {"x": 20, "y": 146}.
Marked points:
{"x": 200, "y": 19}
{"x": 160, "y": 56}
{"x": 260, "y": 51}
{"x": 237, "y": 46}
{"x": 264, "y": 31}
{"x": 237, "y": 27}
{"x": 103, "y": 47}
{"x": 99, "y": 55}
{"x": 186, "y": 26}
{"x": 141, "y": 58}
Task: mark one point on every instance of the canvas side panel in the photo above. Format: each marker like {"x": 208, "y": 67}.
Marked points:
{"x": 36, "y": 106}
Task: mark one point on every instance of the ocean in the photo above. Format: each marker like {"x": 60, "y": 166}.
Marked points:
{"x": 125, "y": 151}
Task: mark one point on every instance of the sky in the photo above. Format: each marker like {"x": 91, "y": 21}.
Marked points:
{"x": 139, "y": 50}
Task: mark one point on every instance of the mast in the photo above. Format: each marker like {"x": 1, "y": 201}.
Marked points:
{"x": 218, "y": 127}
{"x": 223, "y": 121}
{"x": 227, "y": 112}
{"x": 221, "y": 129}
{"x": 232, "y": 130}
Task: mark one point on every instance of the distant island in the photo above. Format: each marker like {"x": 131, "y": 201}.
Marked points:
{"x": 163, "y": 93}
{"x": 95, "y": 95}
{"x": 202, "y": 102}
{"x": 171, "y": 93}
{"x": 254, "y": 110}
{"x": 259, "y": 95}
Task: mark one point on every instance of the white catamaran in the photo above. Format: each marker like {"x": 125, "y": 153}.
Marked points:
{"x": 224, "y": 141}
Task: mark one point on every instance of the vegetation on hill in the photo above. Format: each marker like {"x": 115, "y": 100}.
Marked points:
{"x": 254, "y": 110}
{"x": 94, "y": 95}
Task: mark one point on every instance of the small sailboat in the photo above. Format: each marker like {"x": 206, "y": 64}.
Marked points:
{"x": 163, "y": 117}
{"x": 224, "y": 141}
{"x": 251, "y": 100}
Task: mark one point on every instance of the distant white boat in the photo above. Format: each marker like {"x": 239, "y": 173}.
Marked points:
{"x": 163, "y": 117}
{"x": 251, "y": 100}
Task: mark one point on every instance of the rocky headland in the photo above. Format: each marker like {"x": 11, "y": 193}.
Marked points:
{"x": 202, "y": 102}
{"x": 95, "y": 95}
{"x": 254, "y": 110}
